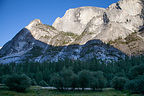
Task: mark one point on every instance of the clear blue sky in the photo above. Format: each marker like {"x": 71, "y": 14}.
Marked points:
{"x": 16, "y": 14}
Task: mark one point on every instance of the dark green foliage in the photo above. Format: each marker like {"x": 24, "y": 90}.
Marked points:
{"x": 98, "y": 80}
{"x": 131, "y": 86}
{"x": 65, "y": 79}
{"x": 136, "y": 85}
{"x": 140, "y": 84}
{"x": 84, "y": 78}
{"x": 33, "y": 82}
{"x": 43, "y": 83}
{"x": 136, "y": 71}
{"x": 118, "y": 83}
{"x": 74, "y": 81}
{"x": 64, "y": 74}
{"x": 18, "y": 82}
{"x": 57, "y": 81}
{"x": 39, "y": 76}
{"x": 3, "y": 79}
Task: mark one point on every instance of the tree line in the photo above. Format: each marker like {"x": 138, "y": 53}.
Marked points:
{"x": 125, "y": 74}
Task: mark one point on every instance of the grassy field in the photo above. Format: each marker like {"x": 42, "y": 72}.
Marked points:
{"x": 43, "y": 92}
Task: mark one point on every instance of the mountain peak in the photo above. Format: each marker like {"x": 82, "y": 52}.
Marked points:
{"x": 132, "y": 7}
{"x": 77, "y": 34}
{"x": 117, "y": 21}
{"x": 76, "y": 19}
{"x": 35, "y": 22}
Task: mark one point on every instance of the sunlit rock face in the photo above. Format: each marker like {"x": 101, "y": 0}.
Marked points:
{"x": 118, "y": 20}
{"x": 41, "y": 31}
{"x": 127, "y": 13}
{"x": 81, "y": 34}
{"x": 125, "y": 17}
{"x": 75, "y": 20}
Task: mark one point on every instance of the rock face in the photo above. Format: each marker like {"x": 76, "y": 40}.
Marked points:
{"x": 75, "y": 20}
{"x": 118, "y": 20}
{"x": 82, "y": 34}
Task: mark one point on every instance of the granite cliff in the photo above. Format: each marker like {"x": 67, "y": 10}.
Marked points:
{"x": 82, "y": 34}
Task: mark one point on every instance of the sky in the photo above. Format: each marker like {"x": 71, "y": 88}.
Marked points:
{"x": 16, "y": 14}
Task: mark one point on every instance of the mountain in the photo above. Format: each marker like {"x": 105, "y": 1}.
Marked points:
{"x": 82, "y": 33}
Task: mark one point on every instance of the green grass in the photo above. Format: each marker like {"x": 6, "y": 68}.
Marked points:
{"x": 41, "y": 92}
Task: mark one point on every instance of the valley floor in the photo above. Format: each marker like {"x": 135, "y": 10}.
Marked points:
{"x": 36, "y": 91}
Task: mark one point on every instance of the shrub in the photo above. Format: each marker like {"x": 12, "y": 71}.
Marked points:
{"x": 17, "y": 82}
{"x": 43, "y": 83}
{"x": 118, "y": 83}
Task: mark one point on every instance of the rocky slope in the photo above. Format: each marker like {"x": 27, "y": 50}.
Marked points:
{"x": 81, "y": 34}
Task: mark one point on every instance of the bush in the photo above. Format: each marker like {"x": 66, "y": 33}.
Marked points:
{"x": 118, "y": 83}
{"x": 43, "y": 83}
{"x": 17, "y": 82}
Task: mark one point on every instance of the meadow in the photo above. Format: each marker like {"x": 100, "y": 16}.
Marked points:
{"x": 37, "y": 91}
